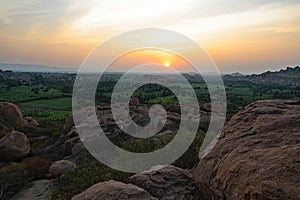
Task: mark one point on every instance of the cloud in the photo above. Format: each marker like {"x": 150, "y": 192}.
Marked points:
{"x": 26, "y": 17}
{"x": 57, "y": 27}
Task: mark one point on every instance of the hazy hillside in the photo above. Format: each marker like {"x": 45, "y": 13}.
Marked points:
{"x": 32, "y": 68}
{"x": 288, "y": 76}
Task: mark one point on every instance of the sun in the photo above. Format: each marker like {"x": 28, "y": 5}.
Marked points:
{"x": 166, "y": 64}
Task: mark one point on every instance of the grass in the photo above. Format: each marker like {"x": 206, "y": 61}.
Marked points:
{"x": 39, "y": 114}
{"x": 75, "y": 181}
{"x": 64, "y": 103}
{"x": 28, "y": 93}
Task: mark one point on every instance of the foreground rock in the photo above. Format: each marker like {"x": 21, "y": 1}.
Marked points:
{"x": 113, "y": 190}
{"x": 37, "y": 190}
{"x": 60, "y": 167}
{"x": 14, "y": 146}
{"x": 167, "y": 183}
{"x": 256, "y": 156}
{"x": 10, "y": 117}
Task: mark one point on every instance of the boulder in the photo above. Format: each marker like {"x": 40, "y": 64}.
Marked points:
{"x": 36, "y": 167}
{"x": 206, "y": 107}
{"x": 14, "y": 146}
{"x": 77, "y": 149}
{"x": 69, "y": 124}
{"x": 134, "y": 101}
{"x": 30, "y": 121}
{"x": 5, "y": 127}
{"x": 173, "y": 108}
{"x": 60, "y": 167}
{"x": 11, "y": 114}
{"x": 167, "y": 183}
{"x": 113, "y": 190}
{"x": 256, "y": 155}
{"x": 204, "y": 120}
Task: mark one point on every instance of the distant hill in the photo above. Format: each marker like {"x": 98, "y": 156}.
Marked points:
{"x": 236, "y": 74}
{"x": 284, "y": 77}
{"x": 33, "y": 68}
{"x": 288, "y": 76}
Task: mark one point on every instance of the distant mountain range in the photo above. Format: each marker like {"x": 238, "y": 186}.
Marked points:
{"x": 33, "y": 68}
{"x": 288, "y": 76}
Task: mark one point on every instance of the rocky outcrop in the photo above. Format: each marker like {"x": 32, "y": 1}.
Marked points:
{"x": 167, "y": 183}
{"x": 256, "y": 156}
{"x": 14, "y": 146}
{"x": 10, "y": 117}
{"x": 140, "y": 115}
{"x": 113, "y": 190}
{"x": 60, "y": 167}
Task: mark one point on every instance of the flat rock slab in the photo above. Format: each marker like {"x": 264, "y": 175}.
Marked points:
{"x": 37, "y": 190}
{"x": 167, "y": 183}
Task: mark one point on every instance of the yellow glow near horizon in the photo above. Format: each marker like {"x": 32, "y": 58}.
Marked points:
{"x": 167, "y": 64}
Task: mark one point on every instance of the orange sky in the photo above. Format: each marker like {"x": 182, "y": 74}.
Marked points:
{"x": 252, "y": 36}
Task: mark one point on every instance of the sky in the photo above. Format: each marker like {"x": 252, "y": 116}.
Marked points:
{"x": 244, "y": 36}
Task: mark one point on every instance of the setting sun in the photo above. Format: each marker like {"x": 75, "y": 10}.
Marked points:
{"x": 167, "y": 64}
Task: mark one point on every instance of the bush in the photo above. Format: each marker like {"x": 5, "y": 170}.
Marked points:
{"x": 2, "y": 134}
{"x": 146, "y": 145}
{"x": 75, "y": 181}
{"x": 187, "y": 160}
{"x": 12, "y": 178}
{"x": 191, "y": 156}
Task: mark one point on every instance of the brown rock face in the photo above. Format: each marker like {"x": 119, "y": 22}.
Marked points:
{"x": 167, "y": 183}
{"x": 14, "y": 146}
{"x": 30, "y": 121}
{"x": 256, "y": 156}
{"x": 134, "y": 101}
{"x": 60, "y": 167}
{"x": 69, "y": 124}
{"x": 113, "y": 190}
{"x": 11, "y": 117}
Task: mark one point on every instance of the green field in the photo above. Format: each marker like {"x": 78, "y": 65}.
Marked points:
{"x": 64, "y": 103}
{"x": 28, "y": 93}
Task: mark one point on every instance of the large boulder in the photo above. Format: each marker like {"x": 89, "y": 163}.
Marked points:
{"x": 14, "y": 146}
{"x": 167, "y": 183}
{"x": 59, "y": 167}
{"x": 113, "y": 190}
{"x": 256, "y": 156}
{"x": 10, "y": 117}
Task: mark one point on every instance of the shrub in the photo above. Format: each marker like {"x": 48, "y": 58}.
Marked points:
{"x": 2, "y": 134}
{"x": 187, "y": 160}
{"x": 12, "y": 178}
{"x": 75, "y": 181}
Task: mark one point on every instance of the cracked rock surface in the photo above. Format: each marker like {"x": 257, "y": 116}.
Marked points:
{"x": 256, "y": 156}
